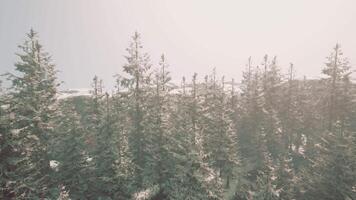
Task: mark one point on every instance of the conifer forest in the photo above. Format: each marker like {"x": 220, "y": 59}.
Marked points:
{"x": 266, "y": 135}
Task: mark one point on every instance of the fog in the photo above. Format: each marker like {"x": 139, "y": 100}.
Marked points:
{"x": 88, "y": 37}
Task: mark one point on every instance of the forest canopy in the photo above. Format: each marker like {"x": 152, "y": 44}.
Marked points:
{"x": 269, "y": 137}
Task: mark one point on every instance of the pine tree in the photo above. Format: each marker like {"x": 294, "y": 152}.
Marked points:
{"x": 8, "y": 154}
{"x": 92, "y": 121}
{"x": 185, "y": 183}
{"x": 338, "y": 72}
{"x": 106, "y": 154}
{"x": 161, "y": 129}
{"x": 251, "y": 145}
{"x": 103, "y": 152}
{"x": 124, "y": 171}
{"x": 218, "y": 134}
{"x": 33, "y": 98}
{"x": 308, "y": 117}
{"x": 290, "y": 140}
{"x": 332, "y": 174}
{"x": 257, "y": 136}
{"x": 271, "y": 82}
{"x": 138, "y": 83}
{"x": 192, "y": 178}
{"x": 69, "y": 152}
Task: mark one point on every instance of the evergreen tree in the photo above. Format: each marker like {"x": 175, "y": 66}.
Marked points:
{"x": 70, "y": 152}
{"x": 33, "y": 98}
{"x": 218, "y": 134}
{"x": 106, "y": 155}
{"x": 138, "y": 83}
{"x": 332, "y": 175}
{"x": 161, "y": 129}
{"x": 290, "y": 139}
{"x": 92, "y": 126}
{"x": 251, "y": 143}
{"x": 185, "y": 183}
{"x": 103, "y": 152}
{"x": 124, "y": 170}
{"x": 9, "y": 156}
{"x": 193, "y": 178}
{"x": 271, "y": 81}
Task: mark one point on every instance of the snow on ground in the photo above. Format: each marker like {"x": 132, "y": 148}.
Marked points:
{"x": 146, "y": 194}
{"x": 175, "y": 90}
{"x": 74, "y": 92}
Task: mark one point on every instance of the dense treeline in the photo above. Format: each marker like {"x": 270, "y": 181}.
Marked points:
{"x": 271, "y": 136}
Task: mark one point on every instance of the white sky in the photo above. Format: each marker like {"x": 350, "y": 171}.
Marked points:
{"x": 88, "y": 37}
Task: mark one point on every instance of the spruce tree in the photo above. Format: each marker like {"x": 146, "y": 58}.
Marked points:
{"x": 186, "y": 183}
{"x": 33, "y": 102}
{"x": 124, "y": 170}
{"x": 251, "y": 143}
{"x": 9, "y": 156}
{"x": 271, "y": 81}
{"x": 138, "y": 82}
{"x": 332, "y": 174}
{"x": 70, "y": 153}
{"x": 161, "y": 129}
{"x": 218, "y": 134}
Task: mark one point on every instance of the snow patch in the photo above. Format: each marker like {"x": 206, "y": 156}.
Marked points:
{"x": 74, "y": 93}
{"x": 145, "y": 194}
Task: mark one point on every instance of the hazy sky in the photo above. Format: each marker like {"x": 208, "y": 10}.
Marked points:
{"x": 87, "y": 37}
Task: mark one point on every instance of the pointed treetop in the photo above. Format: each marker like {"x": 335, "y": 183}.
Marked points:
{"x": 274, "y": 61}
{"x": 265, "y": 58}
{"x": 32, "y": 33}
{"x": 137, "y": 39}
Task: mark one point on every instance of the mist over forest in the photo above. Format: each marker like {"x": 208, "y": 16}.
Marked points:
{"x": 268, "y": 136}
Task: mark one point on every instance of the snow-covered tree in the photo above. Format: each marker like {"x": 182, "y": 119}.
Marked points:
{"x": 159, "y": 164}
{"x": 33, "y": 102}
{"x": 271, "y": 82}
{"x": 69, "y": 151}
{"x": 251, "y": 141}
{"x": 193, "y": 178}
{"x": 218, "y": 134}
{"x": 138, "y": 82}
{"x": 332, "y": 174}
